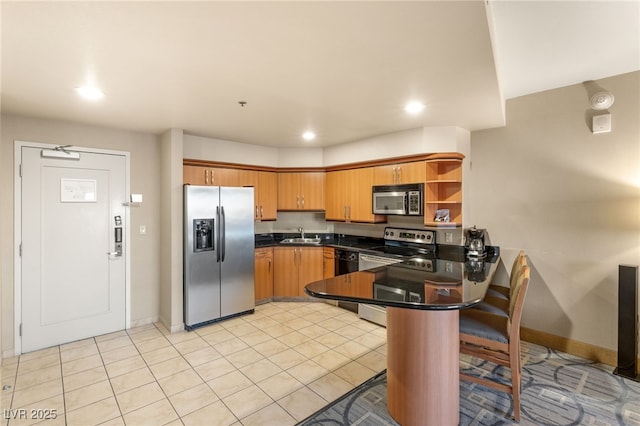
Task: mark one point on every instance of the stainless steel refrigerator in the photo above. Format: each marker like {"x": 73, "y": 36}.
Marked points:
{"x": 218, "y": 253}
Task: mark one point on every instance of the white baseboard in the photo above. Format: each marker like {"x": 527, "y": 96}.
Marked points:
{"x": 171, "y": 328}
{"x": 9, "y": 353}
{"x": 144, "y": 321}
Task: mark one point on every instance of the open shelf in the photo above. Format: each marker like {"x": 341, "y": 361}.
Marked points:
{"x": 443, "y": 190}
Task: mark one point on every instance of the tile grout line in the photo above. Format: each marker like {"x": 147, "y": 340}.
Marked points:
{"x": 229, "y": 328}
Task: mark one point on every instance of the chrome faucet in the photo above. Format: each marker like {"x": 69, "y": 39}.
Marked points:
{"x": 301, "y": 231}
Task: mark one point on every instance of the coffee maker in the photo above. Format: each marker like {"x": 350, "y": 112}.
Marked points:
{"x": 474, "y": 242}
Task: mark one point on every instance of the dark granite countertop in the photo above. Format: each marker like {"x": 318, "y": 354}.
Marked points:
{"x": 327, "y": 239}
{"x": 452, "y": 283}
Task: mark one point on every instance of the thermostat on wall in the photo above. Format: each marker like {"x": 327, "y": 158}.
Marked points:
{"x": 601, "y": 123}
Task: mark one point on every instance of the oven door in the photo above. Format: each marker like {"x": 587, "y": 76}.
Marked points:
{"x": 374, "y": 313}
{"x": 367, "y": 261}
{"x": 390, "y": 203}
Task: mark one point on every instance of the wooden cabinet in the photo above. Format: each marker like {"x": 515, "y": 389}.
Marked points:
{"x": 194, "y": 175}
{"x": 263, "y": 273}
{"x": 361, "y": 205}
{"x": 294, "y": 268}
{"x": 393, "y": 174}
{"x": 336, "y": 187}
{"x": 443, "y": 190}
{"x": 301, "y": 191}
{"x": 266, "y": 195}
{"x": 349, "y": 197}
{"x": 328, "y": 262}
{"x": 343, "y": 193}
{"x": 215, "y": 176}
{"x": 265, "y": 185}
{"x": 361, "y": 284}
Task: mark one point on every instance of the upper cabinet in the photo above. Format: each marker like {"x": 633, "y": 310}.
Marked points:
{"x": 215, "y": 176}
{"x": 301, "y": 191}
{"x": 343, "y": 193}
{"x": 443, "y": 192}
{"x": 393, "y": 174}
{"x": 266, "y": 195}
{"x": 349, "y": 196}
{"x": 265, "y": 185}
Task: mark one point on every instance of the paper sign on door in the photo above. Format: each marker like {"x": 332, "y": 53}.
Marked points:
{"x": 78, "y": 191}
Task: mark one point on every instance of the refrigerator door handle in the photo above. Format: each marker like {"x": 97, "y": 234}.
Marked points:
{"x": 224, "y": 233}
{"x": 218, "y": 234}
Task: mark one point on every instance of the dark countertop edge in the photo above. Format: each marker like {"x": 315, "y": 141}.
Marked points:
{"x": 444, "y": 251}
{"x": 327, "y": 240}
{"x": 403, "y": 305}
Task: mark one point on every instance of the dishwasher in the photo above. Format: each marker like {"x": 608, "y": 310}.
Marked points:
{"x": 346, "y": 262}
{"x": 374, "y": 313}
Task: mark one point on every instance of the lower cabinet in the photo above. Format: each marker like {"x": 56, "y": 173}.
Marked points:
{"x": 294, "y": 268}
{"x": 263, "y": 273}
{"x": 328, "y": 262}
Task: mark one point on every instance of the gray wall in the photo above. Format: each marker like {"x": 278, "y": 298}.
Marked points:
{"x": 545, "y": 183}
{"x": 145, "y": 179}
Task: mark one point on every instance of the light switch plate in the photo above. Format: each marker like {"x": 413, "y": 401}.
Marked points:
{"x": 143, "y": 230}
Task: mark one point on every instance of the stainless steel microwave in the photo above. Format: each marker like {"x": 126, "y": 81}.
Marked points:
{"x": 405, "y": 200}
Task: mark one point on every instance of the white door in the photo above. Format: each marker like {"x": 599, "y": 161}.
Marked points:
{"x": 73, "y": 284}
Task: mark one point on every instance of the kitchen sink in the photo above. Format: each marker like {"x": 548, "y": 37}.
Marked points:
{"x": 301, "y": 241}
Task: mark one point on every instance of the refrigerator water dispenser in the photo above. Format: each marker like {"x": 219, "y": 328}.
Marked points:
{"x": 202, "y": 235}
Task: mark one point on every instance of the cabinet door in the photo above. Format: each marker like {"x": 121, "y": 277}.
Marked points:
{"x": 414, "y": 172}
{"x": 267, "y": 196}
{"x": 336, "y": 195}
{"x": 263, "y": 271}
{"x": 361, "y": 203}
{"x": 288, "y": 191}
{"x": 312, "y": 191}
{"x": 309, "y": 266}
{"x": 384, "y": 175}
{"x": 328, "y": 262}
{"x": 224, "y": 177}
{"x": 285, "y": 271}
{"x": 194, "y": 175}
{"x": 361, "y": 197}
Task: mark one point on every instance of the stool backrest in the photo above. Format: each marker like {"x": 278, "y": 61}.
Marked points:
{"x": 516, "y": 303}
{"x": 518, "y": 263}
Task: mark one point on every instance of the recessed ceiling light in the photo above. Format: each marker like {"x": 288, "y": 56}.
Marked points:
{"x": 308, "y": 136}
{"x": 414, "y": 107}
{"x": 91, "y": 93}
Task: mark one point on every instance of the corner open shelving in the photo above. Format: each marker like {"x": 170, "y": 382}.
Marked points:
{"x": 443, "y": 190}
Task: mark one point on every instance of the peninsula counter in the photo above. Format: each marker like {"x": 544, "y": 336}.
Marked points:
{"x": 423, "y": 382}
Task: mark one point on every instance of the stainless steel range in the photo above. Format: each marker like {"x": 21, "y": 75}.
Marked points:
{"x": 416, "y": 247}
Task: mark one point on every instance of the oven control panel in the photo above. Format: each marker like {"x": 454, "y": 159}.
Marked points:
{"x": 416, "y": 236}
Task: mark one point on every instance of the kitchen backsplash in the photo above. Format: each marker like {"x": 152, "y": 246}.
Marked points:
{"x": 313, "y": 222}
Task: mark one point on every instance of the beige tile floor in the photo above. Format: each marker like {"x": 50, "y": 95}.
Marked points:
{"x": 274, "y": 367}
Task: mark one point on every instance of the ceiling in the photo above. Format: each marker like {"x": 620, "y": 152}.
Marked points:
{"x": 342, "y": 69}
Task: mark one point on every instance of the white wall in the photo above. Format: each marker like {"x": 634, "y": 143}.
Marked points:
{"x": 409, "y": 142}
{"x": 145, "y": 179}
{"x": 546, "y": 184}
{"x": 201, "y": 148}
{"x": 171, "y": 213}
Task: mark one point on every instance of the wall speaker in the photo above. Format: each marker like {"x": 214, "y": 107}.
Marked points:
{"x": 627, "y": 322}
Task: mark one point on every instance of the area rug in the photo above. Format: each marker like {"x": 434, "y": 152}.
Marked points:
{"x": 557, "y": 389}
